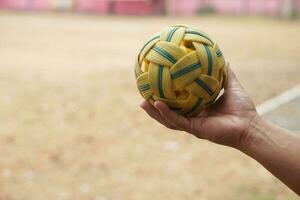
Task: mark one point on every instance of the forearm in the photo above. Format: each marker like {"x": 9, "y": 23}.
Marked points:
{"x": 276, "y": 149}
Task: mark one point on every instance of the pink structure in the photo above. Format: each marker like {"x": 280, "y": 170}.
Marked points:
{"x": 183, "y": 7}
{"x": 269, "y": 7}
{"x": 148, "y": 7}
{"x": 2, "y": 4}
{"x": 38, "y": 5}
{"x": 231, "y": 6}
{"x": 140, "y": 7}
{"x": 97, "y": 6}
{"x": 15, "y": 4}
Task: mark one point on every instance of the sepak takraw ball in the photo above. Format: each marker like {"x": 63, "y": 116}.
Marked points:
{"x": 182, "y": 67}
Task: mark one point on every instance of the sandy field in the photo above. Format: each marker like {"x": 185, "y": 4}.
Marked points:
{"x": 70, "y": 122}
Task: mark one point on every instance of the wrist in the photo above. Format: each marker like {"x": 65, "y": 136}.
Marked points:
{"x": 252, "y": 133}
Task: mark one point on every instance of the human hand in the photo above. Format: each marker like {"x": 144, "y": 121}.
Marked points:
{"x": 225, "y": 122}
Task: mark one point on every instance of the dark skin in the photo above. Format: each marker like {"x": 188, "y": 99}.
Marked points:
{"x": 232, "y": 112}
{"x": 233, "y": 121}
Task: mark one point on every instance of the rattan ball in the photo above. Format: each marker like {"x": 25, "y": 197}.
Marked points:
{"x": 183, "y": 67}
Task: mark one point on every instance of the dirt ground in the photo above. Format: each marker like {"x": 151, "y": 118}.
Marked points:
{"x": 70, "y": 122}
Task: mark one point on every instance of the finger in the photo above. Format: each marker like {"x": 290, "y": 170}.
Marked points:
{"x": 172, "y": 117}
{"x": 155, "y": 114}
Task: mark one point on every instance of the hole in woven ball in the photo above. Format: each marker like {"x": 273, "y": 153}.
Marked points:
{"x": 188, "y": 45}
{"x": 181, "y": 94}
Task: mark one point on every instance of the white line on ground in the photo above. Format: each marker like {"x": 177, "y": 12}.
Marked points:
{"x": 279, "y": 100}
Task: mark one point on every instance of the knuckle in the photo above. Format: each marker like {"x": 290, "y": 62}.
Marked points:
{"x": 191, "y": 127}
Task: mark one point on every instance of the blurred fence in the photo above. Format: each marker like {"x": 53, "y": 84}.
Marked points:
{"x": 266, "y": 7}
{"x": 148, "y": 7}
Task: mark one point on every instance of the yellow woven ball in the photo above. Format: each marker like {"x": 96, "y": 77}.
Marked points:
{"x": 181, "y": 66}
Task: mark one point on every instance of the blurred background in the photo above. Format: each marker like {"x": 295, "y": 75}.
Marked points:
{"x": 70, "y": 122}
